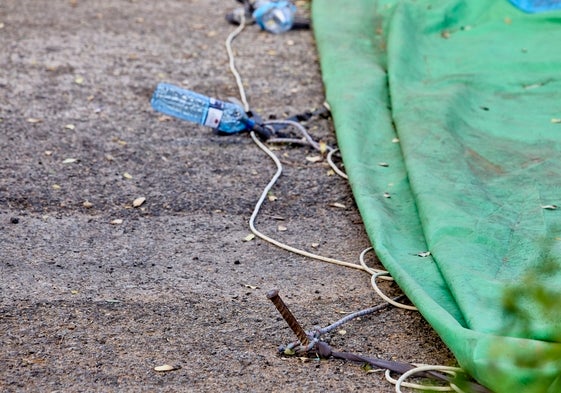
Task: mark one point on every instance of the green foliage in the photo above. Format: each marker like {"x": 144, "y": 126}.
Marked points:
{"x": 531, "y": 306}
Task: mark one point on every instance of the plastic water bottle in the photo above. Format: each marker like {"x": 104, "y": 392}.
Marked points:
{"x": 197, "y": 108}
{"x": 274, "y": 16}
{"x": 537, "y": 5}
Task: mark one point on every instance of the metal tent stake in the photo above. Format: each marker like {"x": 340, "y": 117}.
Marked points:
{"x": 273, "y": 295}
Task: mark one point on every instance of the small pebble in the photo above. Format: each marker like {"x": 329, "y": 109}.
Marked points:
{"x": 138, "y": 202}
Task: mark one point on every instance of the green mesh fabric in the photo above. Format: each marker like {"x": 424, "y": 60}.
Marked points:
{"x": 462, "y": 99}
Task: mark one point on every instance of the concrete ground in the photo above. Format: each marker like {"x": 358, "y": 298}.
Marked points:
{"x": 95, "y": 292}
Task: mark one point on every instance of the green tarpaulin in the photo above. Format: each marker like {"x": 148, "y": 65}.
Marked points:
{"x": 462, "y": 100}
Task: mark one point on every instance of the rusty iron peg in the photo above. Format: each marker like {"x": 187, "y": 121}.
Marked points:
{"x": 273, "y": 296}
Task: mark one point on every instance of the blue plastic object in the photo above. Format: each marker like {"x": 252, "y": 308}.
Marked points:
{"x": 197, "y": 108}
{"x": 537, "y": 5}
{"x": 274, "y": 16}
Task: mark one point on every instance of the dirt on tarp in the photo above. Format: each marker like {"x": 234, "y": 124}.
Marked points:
{"x": 95, "y": 292}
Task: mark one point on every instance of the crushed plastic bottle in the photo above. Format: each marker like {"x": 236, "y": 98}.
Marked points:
{"x": 197, "y": 108}
{"x": 537, "y": 5}
{"x": 274, "y": 16}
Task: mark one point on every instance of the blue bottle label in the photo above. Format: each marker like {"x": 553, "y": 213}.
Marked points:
{"x": 215, "y": 112}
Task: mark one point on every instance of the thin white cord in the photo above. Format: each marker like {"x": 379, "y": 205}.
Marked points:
{"x": 262, "y": 198}
{"x": 233, "y": 68}
{"x": 400, "y": 382}
{"x": 386, "y": 298}
{"x": 307, "y": 139}
{"x": 302, "y": 130}
{"x": 368, "y": 268}
{"x": 335, "y": 167}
